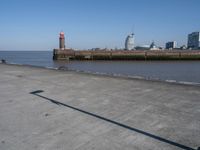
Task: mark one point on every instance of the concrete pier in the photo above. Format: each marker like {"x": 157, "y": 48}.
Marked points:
{"x": 70, "y": 54}
{"x": 44, "y": 109}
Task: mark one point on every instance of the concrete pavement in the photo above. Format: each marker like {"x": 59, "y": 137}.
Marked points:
{"x": 43, "y": 109}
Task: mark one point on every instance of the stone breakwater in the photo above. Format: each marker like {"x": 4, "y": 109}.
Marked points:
{"x": 50, "y": 109}
{"x": 70, "y": 54}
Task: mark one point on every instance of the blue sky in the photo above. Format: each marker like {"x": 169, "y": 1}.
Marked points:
{"x": 35, "y": 24}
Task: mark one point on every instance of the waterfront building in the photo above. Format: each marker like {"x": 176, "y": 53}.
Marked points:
{"x": 62, "y": 41}
{"x": 171, "y": 45}
{"x": 153, "y": 46}
{"x": 129, "y": 42}
{"x": 143, "y": 47}
{"x": 194, "y": 40}
{"x": 183, "y": 47}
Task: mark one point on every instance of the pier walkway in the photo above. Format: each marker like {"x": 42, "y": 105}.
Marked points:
{"x": 44, "y": 109}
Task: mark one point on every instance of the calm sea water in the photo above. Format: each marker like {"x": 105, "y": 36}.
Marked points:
{"x": 171, "y": 71}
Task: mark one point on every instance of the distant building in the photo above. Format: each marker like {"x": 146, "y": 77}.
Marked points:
{"x": 129, "y": 43}
{"x": 96, "y": 49}
{"x": 153, "y": 46}
{"x": 62, "y": 41}
{"x": 171, "y": 45}
{"x": 183, "y": 47}
{"x": 143, "y": 47}
{"x": 194, "y": 40}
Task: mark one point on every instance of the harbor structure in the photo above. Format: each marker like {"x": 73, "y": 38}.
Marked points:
{"x": 62, "y": 41}
{"x": 151, "y": 53}
{"x": 129, "y": 42}
{"x": 194, "y": 40}
{"x": 126, "y": 55}
{"x": 171, "y": 45}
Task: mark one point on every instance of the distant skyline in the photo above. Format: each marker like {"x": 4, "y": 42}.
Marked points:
{"x": 35, "y": 24}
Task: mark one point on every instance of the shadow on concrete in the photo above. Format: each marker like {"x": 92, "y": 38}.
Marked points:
{"x": 114, "y": 122}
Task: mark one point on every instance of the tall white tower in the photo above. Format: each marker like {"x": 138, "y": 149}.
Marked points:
{"x": 129, "y": 42}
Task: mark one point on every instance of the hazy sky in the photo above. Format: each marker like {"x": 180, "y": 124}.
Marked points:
{"x": 35, "y": 24}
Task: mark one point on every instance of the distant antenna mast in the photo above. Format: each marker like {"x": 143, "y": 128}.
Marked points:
{"x": 133, "y": 29}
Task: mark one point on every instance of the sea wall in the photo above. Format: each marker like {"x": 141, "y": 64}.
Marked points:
{"x": 70, "y": 54}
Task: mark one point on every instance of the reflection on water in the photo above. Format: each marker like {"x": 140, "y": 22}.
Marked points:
{"x": 187, "y": 71}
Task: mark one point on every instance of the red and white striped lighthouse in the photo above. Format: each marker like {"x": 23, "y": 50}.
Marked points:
{"x": 62, "y": 40}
